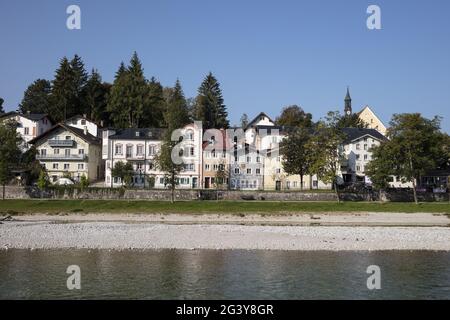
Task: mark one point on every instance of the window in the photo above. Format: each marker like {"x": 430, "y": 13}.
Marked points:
{"x": 365, "y": 157}
{"x": 66, "y": 166}
{"x": 151, "y": 166}
{"x": 278, "y": 170}
{"x": 365, "y": 147}
{"x": 258, "y": 171}
{"x": 139, "y": 166}
{"x": 249, "y": 159}
{"x": 80, "y": 151}
{"x": 215, "y": 167}
{"x": 358, "y": 146}
{"x": 118, "y": 149}
{"x": 151, "y": 150}
{"x": 236, "y": 170}
{"x": 43, "y": 152}
{"x": 221, "y": 167}
{"x": 68, "y": 137}
{"x": 190, "y": 135}
{"x": 358, "y": 168}
{"x": 129, "y": 151}
{"x": 83, "y": 122}
{"x": 315, "y": 183}
{"x": 207, "y": 167}
{"x": 55, "y": 166}
{"x": 56, "y": 151}
{"x": 295, "y": 184}
{"x": 249, "y": 171}
{"x": 81, "y": 166}
{"x": 278, "y": 159}
{"x": 67, "y": 152}
{"x": 140, "y": 150}
{"x": 191, "y": 151}
{"x": 357, "y": 156}
{"x": 288, "y": 184}
{"x": 26, "y": 131}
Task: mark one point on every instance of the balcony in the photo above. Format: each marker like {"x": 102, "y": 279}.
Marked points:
{"x": 61, "y": 143}
{"x": 62, "y": 157}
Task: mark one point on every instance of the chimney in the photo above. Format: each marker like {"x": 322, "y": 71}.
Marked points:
{"x": 85, "y": 130}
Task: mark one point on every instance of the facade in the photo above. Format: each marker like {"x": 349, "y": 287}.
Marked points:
{"x": 81, "y": 122}
{"x": 216, "y": 157}
{"x": 373, "y": 122}
{"x": 356, "y": 153}
{"x": 29, "y": 125}
{"x": 66, "y": 151}
{"x": 140, "y": 146}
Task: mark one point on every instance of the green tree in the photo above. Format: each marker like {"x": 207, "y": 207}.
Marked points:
{"x": 43, "y": 181}
{"x": 296, "y": 154}
{"x": 325, "y": 147}
{"x": 95, "y": 94}
{"x": 413, "y": 147}
{"x": 176, "y": 117}
{"x": 117, "y": 99}
{"x": 124, "y": 171}
{"x": 84, "y": 182}
{"x": 36, "y": 99}
{"x": 350, "y": 121}
{"x": 1, "y": 106}
{"x": 154, "y": 114}
{"x": 210, "y": 107}
{"x": 66, "y": 94}
{"x": 294, "y": 116}
{"x": 10, "y": 153}
{"x": 244, "y": 120}
{"x": 220, "y": 178}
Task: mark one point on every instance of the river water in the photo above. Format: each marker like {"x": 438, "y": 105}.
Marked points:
{"x": 225, "y": 274}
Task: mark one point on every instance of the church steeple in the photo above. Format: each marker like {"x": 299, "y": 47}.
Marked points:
{"x": 348, "y": 103}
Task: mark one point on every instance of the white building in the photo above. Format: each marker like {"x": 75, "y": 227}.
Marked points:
{"x": 140, "y": 146}
{"x": 29, "y": 125}
{"x": 356, "y": 153}
{"x": 81, "y": 122}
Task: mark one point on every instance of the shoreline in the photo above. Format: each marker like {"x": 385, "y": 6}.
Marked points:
{"x": 302, "y": 232}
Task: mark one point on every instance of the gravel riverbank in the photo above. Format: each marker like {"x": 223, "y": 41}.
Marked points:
{"x": 145, "y": 235}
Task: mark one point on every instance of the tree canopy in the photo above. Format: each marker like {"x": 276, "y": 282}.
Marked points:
{"x": 294, "y": 116}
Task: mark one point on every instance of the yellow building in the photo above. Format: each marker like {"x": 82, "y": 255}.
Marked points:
{"x": 68, "y": 151}
{"x": 373, "y": 122}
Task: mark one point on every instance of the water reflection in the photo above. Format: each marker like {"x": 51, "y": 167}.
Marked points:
{"x": 209, "y": 274}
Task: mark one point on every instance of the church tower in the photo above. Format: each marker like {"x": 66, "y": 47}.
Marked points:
{"x": 348, "y": 104}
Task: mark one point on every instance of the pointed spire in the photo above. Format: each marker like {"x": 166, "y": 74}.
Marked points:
{"x": 348, "y": 103}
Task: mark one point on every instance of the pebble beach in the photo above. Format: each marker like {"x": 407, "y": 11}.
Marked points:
{"x": 35, "y": 233}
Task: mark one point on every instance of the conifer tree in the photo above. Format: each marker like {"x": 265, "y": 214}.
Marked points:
{"x": 36, "y": 98}
{"x": 210, "y": 107}
{"x": 117, "y": 99}
{"x": 94, "y": 96}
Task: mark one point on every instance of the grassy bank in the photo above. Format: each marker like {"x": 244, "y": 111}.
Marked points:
{"x": 199, "y": 207}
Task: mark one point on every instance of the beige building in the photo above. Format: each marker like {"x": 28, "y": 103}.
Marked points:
{"x": 373, "y": 122}
{"x": 68, "y": 151}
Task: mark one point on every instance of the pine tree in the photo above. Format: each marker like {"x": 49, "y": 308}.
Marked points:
{"x": 137, "y": 94}
{"x": 1, "y": 106}
{"x": 94, "y": 95}
{"x": 154, "y": 116}
{"x": 130, "y": 100}
{"x": 210, "y": 108}
{"x": 63, "y": 92}
{"x": 176, "y": 116}
{"x": 117, "y": 99}
{"x": 36, "y": 98}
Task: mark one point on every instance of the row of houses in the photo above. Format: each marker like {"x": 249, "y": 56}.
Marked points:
{"x": 249, "y": 155}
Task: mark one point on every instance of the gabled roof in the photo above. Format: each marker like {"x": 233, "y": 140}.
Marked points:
{"x": 139, "y": 134}
{"x": 79, "y": 132}
{"x": 79, "y": 116}
{"x": 352, "y": 134}
{"x": 261, "y": 114}
{"x": 29, "y": 116}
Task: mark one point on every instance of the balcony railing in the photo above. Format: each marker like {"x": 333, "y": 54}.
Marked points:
{"x": 61, "y": 143}
{"x": 57, "y": 157}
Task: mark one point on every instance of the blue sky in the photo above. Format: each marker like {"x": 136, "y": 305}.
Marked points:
{"x": 266, "y": 54}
